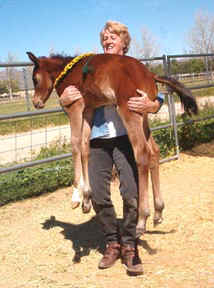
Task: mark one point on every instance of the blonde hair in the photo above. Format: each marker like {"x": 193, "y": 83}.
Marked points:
{"x": 121, "y": 30}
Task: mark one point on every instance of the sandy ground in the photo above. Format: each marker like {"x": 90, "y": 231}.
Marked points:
{"x": 45, "y": 244}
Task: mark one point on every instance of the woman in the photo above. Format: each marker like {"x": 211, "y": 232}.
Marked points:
{"x": 110, "y": 146}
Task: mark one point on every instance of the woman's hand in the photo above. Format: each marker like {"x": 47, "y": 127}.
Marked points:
{"x": 143, "y": 104}
{"x": 70, "y": 95}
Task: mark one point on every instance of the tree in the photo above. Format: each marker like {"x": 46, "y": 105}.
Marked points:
{"x": 11, "y": 76}
{"x": 135, "y": 48}
{"x": 196, "y": 66}
{"x": 150, "y": 47}
{"x": 3, "y": 86}
{"x": 201, "y": 36}
{"x": 147, "y": 48}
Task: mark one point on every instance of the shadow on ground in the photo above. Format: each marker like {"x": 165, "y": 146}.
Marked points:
{"x": 88, "y": 236}
{"x": 85, "y": 237}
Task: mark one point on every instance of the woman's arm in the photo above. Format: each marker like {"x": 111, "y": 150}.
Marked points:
{"x": 70, "y": 95}
{"x": 144, "y": 104}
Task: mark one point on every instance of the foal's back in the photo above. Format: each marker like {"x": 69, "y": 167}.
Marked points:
{"x": 115, "y": 78}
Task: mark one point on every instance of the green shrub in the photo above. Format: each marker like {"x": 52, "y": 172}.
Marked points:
{"x": 165, "y": 139}
{"x": 40, "y": 179}
{"x": 190, "y": 133}
{"x": 34, "y": 181}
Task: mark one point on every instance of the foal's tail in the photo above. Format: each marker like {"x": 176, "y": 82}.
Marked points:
{"x": 185, "y": 94}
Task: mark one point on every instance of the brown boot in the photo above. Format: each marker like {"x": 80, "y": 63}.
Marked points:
{"x": 132, "y": 260}
{"x": 111, "y": 254}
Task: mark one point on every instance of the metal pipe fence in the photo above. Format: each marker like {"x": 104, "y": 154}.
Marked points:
{"x": 62, "y": 130}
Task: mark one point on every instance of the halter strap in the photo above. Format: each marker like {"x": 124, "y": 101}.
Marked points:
{"x": 87, "y": 68}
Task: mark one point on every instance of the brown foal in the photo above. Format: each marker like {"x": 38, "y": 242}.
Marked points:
{"x": 108, "y": 79}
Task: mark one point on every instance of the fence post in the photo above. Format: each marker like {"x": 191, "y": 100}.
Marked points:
{"x": 27, "y": 98}
{"x": 172, "y": 111}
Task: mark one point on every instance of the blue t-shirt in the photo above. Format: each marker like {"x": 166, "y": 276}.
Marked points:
{"x": 108, "y": 124}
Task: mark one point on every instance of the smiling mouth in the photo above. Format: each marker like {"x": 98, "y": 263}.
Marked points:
{"x": 109, "y": 48}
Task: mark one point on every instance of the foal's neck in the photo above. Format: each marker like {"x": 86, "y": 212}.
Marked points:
{"x": 57, "y": 65}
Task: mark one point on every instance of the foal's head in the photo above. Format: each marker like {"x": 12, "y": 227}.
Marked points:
{"x": 42, "y": 80}
{"x": 45, "y": 72}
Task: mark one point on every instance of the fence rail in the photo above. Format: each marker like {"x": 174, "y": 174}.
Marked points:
{"x": 166, "y": 61}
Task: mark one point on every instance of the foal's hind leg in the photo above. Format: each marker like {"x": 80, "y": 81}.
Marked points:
{"x": 155, "y": 178}
{"x": 86, "y": 131}
{"x": 134, "y": 125}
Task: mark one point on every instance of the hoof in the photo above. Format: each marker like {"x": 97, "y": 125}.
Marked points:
{"x": 75, "y": 204}
{"x": 86, "y": 207}
{"x": 140, "y": 231}
{"x": 157, "y": 221}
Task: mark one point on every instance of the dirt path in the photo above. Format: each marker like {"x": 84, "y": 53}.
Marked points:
{"x": 43, "y": 243}
{"x": 26, "y": 145}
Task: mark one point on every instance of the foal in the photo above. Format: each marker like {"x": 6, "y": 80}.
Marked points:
{"x": 108, "y": 79}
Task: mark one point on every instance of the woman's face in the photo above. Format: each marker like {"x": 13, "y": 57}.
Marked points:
{"x": 112, "y": 43}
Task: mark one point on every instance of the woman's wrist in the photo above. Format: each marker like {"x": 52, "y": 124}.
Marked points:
{"x": 159, "y": 101}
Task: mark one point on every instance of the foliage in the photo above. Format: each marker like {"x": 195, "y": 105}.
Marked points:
{"x": 165, "y": 140}
{"x": 181, "y": 67}
{"x": 34, "y": 181}
{"x": 157, "y": 69}
{"x": 187, "y": 66}
{"x": 37, "y": 180}
{"x": 4, "y": 86}
{"x": 204, "y": 91}
{"x": 190, "y": 133}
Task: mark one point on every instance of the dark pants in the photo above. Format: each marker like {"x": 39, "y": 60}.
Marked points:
{"x": 103, "y": 154}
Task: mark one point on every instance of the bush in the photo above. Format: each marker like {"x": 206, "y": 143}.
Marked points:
{"x": 190, "y": 133}
{"x": 37, "y": 180}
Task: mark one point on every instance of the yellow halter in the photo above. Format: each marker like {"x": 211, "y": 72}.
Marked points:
{"x": 70, "y": 65}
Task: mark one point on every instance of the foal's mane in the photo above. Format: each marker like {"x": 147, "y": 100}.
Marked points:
{"x": 62, "y": 58}
{"x": 58, "y": 58}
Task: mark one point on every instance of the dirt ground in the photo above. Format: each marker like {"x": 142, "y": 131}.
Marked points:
{"x": 43, "y": 243}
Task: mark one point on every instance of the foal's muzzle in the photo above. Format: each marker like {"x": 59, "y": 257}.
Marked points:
{"x": 38, "y": 104}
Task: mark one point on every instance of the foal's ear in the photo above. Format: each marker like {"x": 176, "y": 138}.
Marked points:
{"x": 33, "y": 58}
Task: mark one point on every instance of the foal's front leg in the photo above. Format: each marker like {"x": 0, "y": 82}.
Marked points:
{"x": 75, "y": 112}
